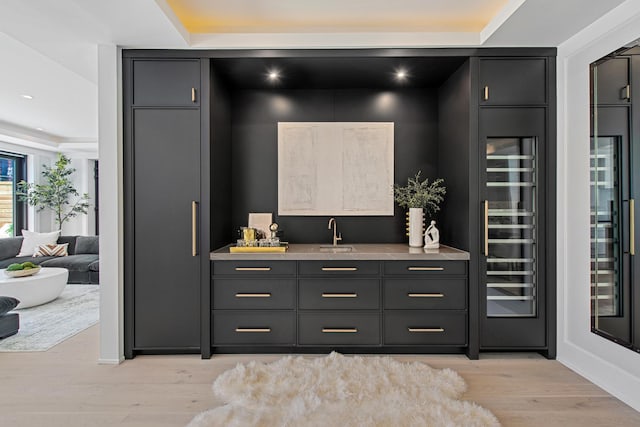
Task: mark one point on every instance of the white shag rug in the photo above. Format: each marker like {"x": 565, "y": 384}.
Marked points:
{"x": 44, "y": 326}
{"x": 342, "y": 391}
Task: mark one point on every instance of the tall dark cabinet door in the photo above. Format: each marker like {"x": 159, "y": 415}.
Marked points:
{"x": 166, "y": 151}
{"x": 512, "y": 153}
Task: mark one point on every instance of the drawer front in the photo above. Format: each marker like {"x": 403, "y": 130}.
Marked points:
{"x": 425, "y": 328}
{"x": 251, "y": 327}
{"x": 254, "y": 268}
{"x": 339, "y": 328}
{"x": 238, "y": 294}
{"x": 339, "y": 268}
{"x": 338, "y": 294}
{"x": 425, "y": 268}
{"x": 425, "y": 293}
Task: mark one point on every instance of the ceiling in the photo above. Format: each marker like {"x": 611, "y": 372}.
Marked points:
{"x": 49, "y": 49}
{"x": 304, "y": 16}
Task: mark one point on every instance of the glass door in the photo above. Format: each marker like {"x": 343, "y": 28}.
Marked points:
{"x": 12, "y": 211}
{"x": 605, "y": 228}
{"x": 513, "y": 253}
{"x": 510, "y": 227}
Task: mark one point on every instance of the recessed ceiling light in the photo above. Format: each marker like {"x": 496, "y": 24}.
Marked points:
{"x": 401, "y": 75}
{"x": 273, "y": 75}
{"x": 27, "y": 96}
{"x": 40, "y": 129}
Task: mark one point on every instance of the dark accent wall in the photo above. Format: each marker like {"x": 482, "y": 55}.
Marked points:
{"x": 453, "y": 157}
{"x": 254, "y": 152}
{"x": 221, "y": 228}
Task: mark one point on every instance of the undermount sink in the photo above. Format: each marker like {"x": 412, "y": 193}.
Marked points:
{"x": 339, "y": 248}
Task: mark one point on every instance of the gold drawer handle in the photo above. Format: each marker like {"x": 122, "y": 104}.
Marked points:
{"x": 341, "y": 295}
{"x": 253, "y": 268}
{"x": 435, "y": 295}
{"x": 259, "y": 330}
{"x": 339, "y": 268}
{"x": 426, "y": 329}
{"x": 263, "y": 295}
{"x": 339, "y": 330}
{"x": 425, "y": 268}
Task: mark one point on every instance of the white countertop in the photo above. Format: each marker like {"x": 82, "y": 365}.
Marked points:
{"x": 362, "y": 251}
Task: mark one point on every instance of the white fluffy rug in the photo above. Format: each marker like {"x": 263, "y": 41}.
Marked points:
{"x": 342, "y": 391}
{"x": 46, "y": 325}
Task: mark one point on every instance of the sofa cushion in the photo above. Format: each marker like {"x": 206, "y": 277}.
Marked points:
{"x": 71, "y": 240}
{"x": 7, "y": 304}
{"x": 87, "y": 245}
{"x": 36, "y": 260}
{"x": 78, "y": 262}
{"x": 9, "y": 325}
{"x": 94, "y": 266}
{"x": 32, "y": 240}
{"x": 10, "y": 247}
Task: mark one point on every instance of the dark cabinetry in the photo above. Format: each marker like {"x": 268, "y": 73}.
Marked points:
{"x": 163, "y": 206}
{"x": 614, "y": 162}
{"x": 521, "y": 81}
{"x": 515, "y": 194}
{"x": 254, "y": 303}
{"x": 166, "y": 82}
{"x": 421, "y": 305}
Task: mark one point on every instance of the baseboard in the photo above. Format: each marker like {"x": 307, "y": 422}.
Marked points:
{"x": 111, "y": 361}
{"x": 612, "y": 379}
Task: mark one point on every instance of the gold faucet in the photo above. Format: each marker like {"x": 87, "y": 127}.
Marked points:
{"x": 333, "y": 222}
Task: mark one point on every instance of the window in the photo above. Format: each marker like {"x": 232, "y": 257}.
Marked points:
{"x": 13, "y": 213}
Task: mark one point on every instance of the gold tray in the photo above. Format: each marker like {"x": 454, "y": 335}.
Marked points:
{"x": 258, "y": 249}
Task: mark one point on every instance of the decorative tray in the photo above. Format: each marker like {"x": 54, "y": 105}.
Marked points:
{"x": 258, "y": 249}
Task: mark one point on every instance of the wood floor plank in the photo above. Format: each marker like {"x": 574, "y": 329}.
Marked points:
{"x": 65, "y": 386}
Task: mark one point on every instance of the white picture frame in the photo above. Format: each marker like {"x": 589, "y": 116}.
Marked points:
{"x": 261, "y": 222}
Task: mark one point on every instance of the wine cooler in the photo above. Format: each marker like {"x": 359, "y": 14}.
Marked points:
{"x": 512, "y": 290}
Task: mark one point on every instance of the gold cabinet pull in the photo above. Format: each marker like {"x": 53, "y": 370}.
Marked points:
{"x": 625, "y": 92}
{"x": 486, "y": 93}
{"x": 425, "y": 268}
{"x": 193, "y": 94}
{"x": 255, "y": 330}
{"x": 486, "y": 228}
{"x": 253, "y": 268}
{"x": 419, "y": 295}
{"x": 339, "y": 295}
{"x": 194, "y": 228}
{"x": 339, "y": 268}
{"x": 425, "y": 330}
{"x": 632, "y": 227}
{"x": 339, "y": 330}
{"x": 259, "y": 295}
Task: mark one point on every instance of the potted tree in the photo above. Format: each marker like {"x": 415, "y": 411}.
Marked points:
{"x": 419, "y": 196}
{"x": 56, "y": 192}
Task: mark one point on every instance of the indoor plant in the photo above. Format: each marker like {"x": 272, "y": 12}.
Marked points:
{"x": 419, "y": 196}
{"x": 56, "y": 192}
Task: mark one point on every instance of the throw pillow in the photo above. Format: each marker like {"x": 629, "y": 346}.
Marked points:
{"x": 32, "y": 240}
{"x": 7, "y": 304}
{"x": 87, "y": 245}
{"x": 52, "y": 250}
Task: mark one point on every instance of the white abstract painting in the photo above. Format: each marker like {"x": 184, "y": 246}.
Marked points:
{"x": 335, "y": 168}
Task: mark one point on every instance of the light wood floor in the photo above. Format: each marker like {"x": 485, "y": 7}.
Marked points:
{"x": 66, "y": 387}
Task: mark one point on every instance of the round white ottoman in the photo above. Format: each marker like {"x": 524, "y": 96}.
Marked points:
{"x": 42, "y": 287}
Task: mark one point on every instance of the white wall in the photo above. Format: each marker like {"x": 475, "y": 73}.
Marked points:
{"x": 608, "y": 365}
{"x": 111, "y": 202}
{"x": 83, "y": 182}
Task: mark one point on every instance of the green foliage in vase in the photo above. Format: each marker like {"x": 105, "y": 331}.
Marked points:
{"x": 56, "y": 192}
{"x": 420, "y": 194}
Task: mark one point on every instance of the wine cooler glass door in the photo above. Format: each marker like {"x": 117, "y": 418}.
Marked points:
{"x": 510, "y": 227}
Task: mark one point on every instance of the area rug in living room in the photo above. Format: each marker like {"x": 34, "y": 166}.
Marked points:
{"x": 47, "y": 325}
{"x": 343, "y": 391}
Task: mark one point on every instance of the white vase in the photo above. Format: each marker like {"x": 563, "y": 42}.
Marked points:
{"x": 416, "y": 229}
